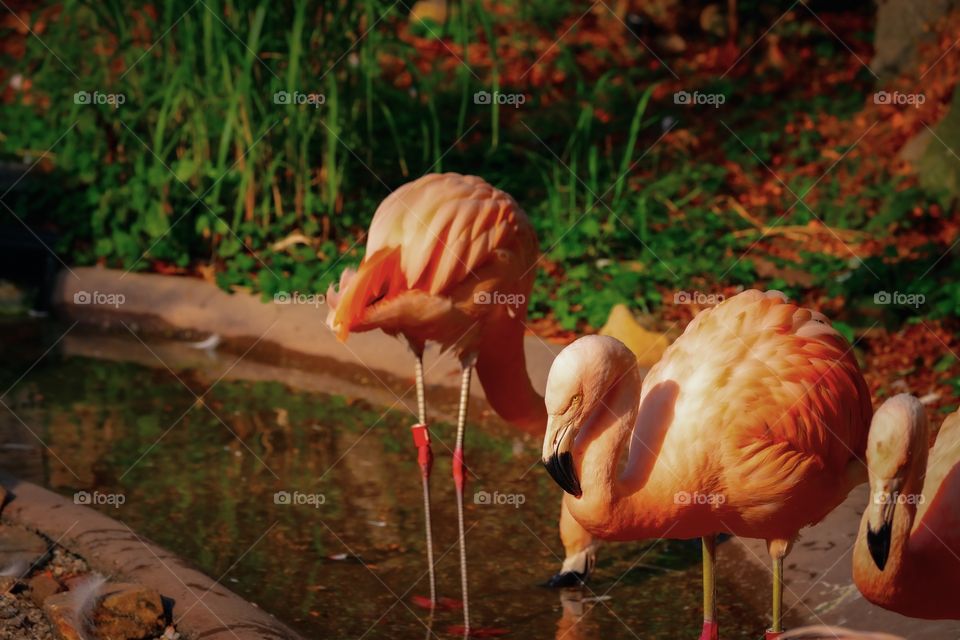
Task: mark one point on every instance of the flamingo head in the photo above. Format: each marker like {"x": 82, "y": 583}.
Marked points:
{"x": 896, "y": 461}
{"x": 581, "y": 378}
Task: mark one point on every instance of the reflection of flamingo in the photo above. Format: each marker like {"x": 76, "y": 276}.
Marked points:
{"x": 907, "y": 555}
{"x": 752, "y": 423}
{"x": 835, "y": 633}
{"x": 449, "y": 258}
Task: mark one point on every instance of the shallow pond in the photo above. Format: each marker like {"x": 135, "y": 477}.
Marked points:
{"x": 199, "y": 463}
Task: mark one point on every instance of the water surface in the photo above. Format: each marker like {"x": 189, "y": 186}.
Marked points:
{"x": 199, "y": 462}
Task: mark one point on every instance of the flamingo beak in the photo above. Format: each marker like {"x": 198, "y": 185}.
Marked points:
{"x": 880, "y": 525}
{"x": 558, "y": 459}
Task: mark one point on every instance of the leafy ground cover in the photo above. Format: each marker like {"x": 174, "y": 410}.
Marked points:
{"x": 656, "y": 154}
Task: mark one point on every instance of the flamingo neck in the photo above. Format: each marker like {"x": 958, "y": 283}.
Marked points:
{"x": 502, "y": 371}
{"x": 597, "y": 452}
{"x": 641, "y": 500}
{"x": 887, "y": 587}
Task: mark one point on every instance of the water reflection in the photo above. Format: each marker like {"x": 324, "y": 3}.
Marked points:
{"x": 204, "y": 469}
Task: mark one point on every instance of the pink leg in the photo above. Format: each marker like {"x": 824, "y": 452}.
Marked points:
{"x": 711, "y": 630}
{"x": 421, "y": 439}
{"x": 459, "y": 480}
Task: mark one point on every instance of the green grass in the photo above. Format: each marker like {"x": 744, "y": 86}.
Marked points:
{"x": 200, "y": 166}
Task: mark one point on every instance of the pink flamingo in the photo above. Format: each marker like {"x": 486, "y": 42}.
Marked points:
{"x": 907, "y": 554}
{"x": 451, "y": 259}
{"x": 753, "y": 423}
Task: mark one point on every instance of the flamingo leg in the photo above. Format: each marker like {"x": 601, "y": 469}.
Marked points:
{"x": 711, "y": 630}
{"x": 425, "y": 459}
{"x": 777, "y": 626}
{"x": 459, "y": 479}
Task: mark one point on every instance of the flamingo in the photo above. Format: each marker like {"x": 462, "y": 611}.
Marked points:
{"x": 753, "y": 423}
{"x": 907, "y": 553}
{"x": 450, "y": 258}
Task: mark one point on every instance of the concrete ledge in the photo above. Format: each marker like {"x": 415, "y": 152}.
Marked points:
{"x": 202, "y": 608}
{"x": 195, "y": 308}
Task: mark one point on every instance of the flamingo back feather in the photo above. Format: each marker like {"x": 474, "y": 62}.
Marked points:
{"x": 788, "y": 394}
{"x": 430, "y": 235}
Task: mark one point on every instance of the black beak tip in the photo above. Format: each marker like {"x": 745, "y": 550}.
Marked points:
{"x": 878, "y": 543}
{"x": 560, "y": 468}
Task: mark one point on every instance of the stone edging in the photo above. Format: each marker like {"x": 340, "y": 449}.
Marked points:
{"x": 202, "y": 608}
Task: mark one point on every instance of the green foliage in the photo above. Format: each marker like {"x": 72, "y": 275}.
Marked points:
{"x": 202, "y": 165}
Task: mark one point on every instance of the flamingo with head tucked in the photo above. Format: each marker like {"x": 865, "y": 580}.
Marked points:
{"x": 907, "y": 554}
{"x": 451, "y": 259}
{"x": 753, "y": 423}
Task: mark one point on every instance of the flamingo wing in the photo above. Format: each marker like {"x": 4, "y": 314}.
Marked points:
{"x": 428, "y": 237}
{"x": 937, "y": 521}
{"x": 771, "y": 397}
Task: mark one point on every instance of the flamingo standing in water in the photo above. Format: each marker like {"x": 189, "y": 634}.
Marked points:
{"x": 451, "y": 259}
{"x": 907, "y": 554}
{"x": 753, "y": 423}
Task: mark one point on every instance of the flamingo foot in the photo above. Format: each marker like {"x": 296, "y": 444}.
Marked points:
{"x": 566, "y": 579}
{"x": 772, "y": 635}
{"x": 711, "y": 630}
{"x": 477, "y": 632}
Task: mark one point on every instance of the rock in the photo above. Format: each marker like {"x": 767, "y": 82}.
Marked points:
{"x": 42, "y": 587}
{"x": 916, "y": 147}
{"x": 20, "y": 550}
{"x": 901, "y": 25}
{"x": 648, "y": 346}
{"x": 937, "y": 168}
{"x": 7, "y": 583}
{"x": 128, "y": 612}
{"x": 61, "y": 611}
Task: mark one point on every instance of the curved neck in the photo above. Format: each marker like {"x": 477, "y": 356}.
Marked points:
{"x": 597, "y": 451}
{"x": 502, "y": 371}
{"x": 642, "y": 500}
{"x": 889, "y": 586}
